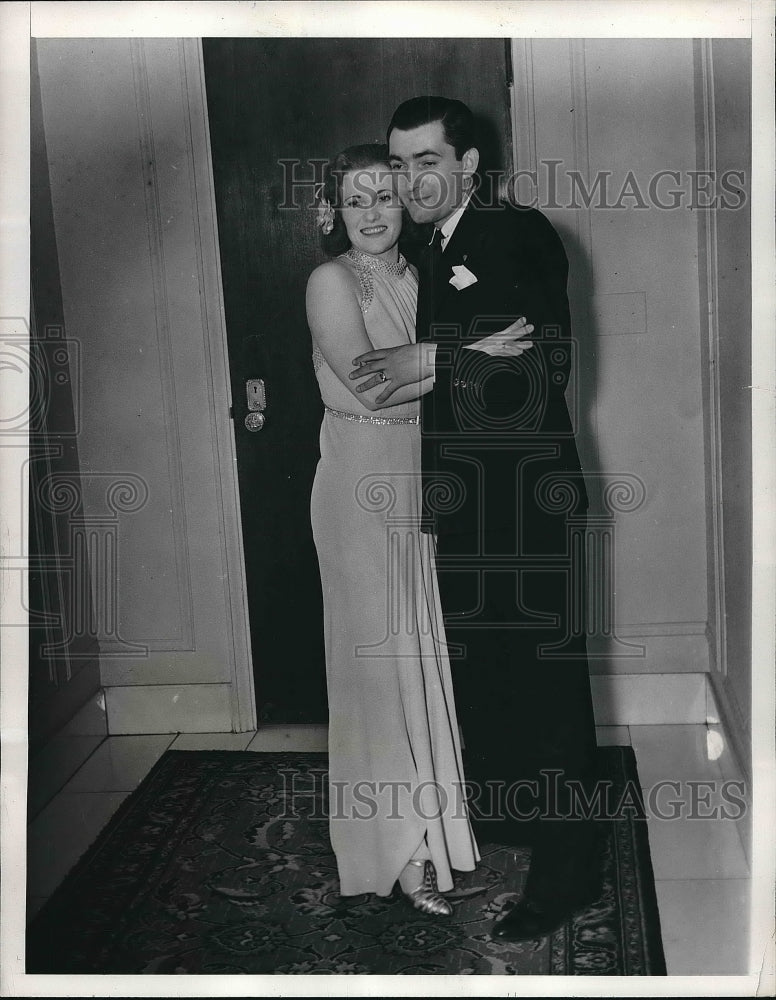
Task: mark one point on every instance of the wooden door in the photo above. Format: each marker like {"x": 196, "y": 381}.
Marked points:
{"x": 276, "y": 106}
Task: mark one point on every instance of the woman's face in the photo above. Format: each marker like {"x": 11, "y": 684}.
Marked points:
{"x": 371, "y": 211}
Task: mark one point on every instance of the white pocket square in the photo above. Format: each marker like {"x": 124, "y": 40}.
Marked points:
{"x": 462, "y": 277}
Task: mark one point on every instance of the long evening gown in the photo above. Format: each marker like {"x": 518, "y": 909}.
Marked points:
{"x": 395, "y": 768}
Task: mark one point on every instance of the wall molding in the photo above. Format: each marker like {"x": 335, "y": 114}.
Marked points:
{"x": 185, "y": 639}
{"x": 580, "y": 133}
{"x": 224, "y": 455}
{"x": 724, "y": 710}
{"x": 707, "y": 222}
{"x": 724, "y": 699}
{"x": 522, "y": 107}
{"x": 645, "y": 629}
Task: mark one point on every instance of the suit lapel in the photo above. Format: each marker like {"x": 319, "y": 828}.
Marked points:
{"x": 436, "y": 299}
{"x": 464, "y": 244}
{"x": 466, "y": 237}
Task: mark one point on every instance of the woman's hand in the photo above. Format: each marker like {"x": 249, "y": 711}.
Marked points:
{"x": 396, "y": 366}
{"x": 506, "y": 343}
{"x": 400, "y": 366}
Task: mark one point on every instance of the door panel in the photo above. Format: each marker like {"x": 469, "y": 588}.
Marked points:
{"x": 287, "y": 99}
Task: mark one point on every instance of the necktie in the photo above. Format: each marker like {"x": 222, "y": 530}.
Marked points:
{"x": 430, "y": 270}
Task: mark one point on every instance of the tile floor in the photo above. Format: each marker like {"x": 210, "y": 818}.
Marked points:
{"x": 701, "y": 865}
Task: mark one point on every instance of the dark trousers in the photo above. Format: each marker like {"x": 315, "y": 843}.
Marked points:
{"x": 526, "y": 717}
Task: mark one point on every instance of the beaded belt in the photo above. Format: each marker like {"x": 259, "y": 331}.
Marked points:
{"x": 361, "y": 418}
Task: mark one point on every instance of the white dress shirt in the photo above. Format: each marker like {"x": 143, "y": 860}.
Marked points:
{"x": 448, "y": 228}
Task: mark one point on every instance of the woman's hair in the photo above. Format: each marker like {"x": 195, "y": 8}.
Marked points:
{"x": 370, "y": 154}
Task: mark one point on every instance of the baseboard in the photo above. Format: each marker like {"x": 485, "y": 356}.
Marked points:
{"x": 169, "y": 708}
{"x": 721, "y": 711}
{"x": 89, "y": 720}
{"x": 734, "y": 751}
{"x": 649, "y": 699}
{"x": 618, "y": 700}
{"x": 646, "y": 649}
{"x": 52, "y": 765}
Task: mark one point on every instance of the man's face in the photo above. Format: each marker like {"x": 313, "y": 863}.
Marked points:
{"x": 431, "y": 180}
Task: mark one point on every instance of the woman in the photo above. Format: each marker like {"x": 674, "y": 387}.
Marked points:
{"x": 397, "y": 811}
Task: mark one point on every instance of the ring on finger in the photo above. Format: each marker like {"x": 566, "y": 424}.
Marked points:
{"x": 382, "y": 376}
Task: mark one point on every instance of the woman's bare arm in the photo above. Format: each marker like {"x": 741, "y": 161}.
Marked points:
{"x": 337, "y": 326}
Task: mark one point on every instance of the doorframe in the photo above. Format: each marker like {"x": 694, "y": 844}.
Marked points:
{"x": 243, "y": 700}
{"x": 726, "y": 707}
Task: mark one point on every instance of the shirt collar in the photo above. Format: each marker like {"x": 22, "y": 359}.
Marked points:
{"x": 449, "y": 227}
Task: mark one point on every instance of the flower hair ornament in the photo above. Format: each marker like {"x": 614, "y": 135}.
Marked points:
{"x": 325, "y": 217}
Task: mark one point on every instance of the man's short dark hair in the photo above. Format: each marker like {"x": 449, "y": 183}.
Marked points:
{"x": 457, "y": 120}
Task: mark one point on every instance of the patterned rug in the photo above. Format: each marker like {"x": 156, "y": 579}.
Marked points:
{"x": 205, "y": 869}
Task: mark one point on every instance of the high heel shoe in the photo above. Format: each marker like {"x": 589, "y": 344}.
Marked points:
{"x": 426, "y": 897}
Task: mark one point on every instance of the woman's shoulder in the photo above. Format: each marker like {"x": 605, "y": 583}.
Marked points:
{"x": 336, "y": 269}
{"x": 333, "y": 287}
{"x": 337, "y": 273}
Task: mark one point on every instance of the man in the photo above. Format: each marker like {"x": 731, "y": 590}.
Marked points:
{"x": 499, "y": 450}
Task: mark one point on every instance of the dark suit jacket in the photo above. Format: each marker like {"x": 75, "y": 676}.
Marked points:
{"x": 494, "y": 429}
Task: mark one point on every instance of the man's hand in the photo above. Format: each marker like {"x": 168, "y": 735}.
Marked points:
{"x": 399, "y": 366}
{"x": 395, "y": 366}
{"x": 506, "y": 343}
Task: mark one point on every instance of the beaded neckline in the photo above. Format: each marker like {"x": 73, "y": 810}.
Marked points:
{"x": 367, "y": 262}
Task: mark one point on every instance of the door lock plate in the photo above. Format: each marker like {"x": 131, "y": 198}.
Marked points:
{"x": 256, "y": 394}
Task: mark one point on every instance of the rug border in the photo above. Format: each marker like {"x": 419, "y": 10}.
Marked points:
{"x": 653, "y": 937}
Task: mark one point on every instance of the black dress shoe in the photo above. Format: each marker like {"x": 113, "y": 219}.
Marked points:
{"x": 525, "y": 921}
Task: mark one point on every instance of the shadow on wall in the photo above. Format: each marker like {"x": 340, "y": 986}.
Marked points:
{"x": 613, "y": 493}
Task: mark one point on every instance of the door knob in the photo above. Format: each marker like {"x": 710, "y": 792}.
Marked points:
{"x": 257, "y": 403}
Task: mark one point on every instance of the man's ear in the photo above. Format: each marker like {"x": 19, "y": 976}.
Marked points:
{"x": 470, "y": 161}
